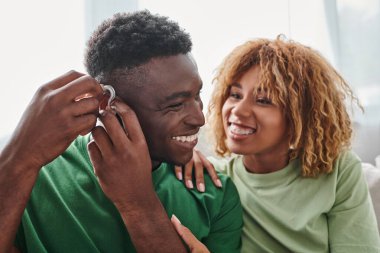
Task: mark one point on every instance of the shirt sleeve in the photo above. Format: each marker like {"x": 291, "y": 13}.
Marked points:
{"x": 226, "y": 227}
{"x": 352, "y": 221}
{"x": 19, "y": 241}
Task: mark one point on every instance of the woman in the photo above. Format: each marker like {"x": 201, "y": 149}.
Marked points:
{"x": 280, "y": 106}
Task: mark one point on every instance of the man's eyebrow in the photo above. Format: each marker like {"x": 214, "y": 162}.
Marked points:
{"x": 181, "y": 94}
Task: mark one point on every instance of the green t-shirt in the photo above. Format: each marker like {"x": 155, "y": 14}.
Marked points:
{"x": 284, "y": 212}
{"x": 68, "y": 211}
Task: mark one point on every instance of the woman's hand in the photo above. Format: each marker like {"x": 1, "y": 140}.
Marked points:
{"x": 191, "y": 241}
{"x": 199, "y": 162}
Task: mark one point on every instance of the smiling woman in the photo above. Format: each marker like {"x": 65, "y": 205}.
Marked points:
{"x": 279, "y": 107}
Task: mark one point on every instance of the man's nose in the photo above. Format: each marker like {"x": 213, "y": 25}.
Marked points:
{"x": 196, "y": 116}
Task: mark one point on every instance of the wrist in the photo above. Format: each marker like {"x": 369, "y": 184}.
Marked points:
{"x": 139, "y": 204}
{"x": 17, "y": 166}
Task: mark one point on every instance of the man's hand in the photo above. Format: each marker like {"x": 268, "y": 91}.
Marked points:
{"x": 192, "y": 242}
{"x": 124, "y": 169}
{"x": 59, "y": 111}
{"x": 121, "y": 158}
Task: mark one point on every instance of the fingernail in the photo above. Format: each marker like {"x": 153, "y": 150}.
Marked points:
{"x": 102, "y": 112}
{"x": 189, "y": 184}
{"x": 201, "y": 187}
{"x": 179, "y": 175}
{"x": 175, "y": 219}
{"x": 219, "y": 183}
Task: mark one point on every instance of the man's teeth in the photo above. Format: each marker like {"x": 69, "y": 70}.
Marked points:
{"x": 240, "y": 130}
{"x": 188, "y": 138}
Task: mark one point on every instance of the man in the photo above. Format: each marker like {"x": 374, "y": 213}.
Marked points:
{"x": 101, "y": 192}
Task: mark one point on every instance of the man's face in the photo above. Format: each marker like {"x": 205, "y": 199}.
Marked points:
{"x": 169, "y": 108}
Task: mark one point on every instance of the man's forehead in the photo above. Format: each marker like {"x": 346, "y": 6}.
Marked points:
{"x": 161, "y": 79}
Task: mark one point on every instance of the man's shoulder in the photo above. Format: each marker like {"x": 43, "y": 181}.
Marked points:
{"x": 76, "y": 152}
{"x": 210, "y": 215}
{"x": 165, "y": 181}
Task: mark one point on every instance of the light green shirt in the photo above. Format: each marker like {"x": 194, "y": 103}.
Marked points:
{"x": 284, "y": 212}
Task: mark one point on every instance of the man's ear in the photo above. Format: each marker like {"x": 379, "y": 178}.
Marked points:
{"x": 104, "y": 101}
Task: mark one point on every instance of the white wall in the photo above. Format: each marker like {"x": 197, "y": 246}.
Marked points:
{"x": 39, "y": 40}
{"x": 42, "y": 39}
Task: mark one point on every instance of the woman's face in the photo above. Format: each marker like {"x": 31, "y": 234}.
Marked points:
{"x": 252, "y": 123}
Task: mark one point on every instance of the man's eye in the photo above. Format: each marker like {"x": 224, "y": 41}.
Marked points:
{"x": 175, "y": 106}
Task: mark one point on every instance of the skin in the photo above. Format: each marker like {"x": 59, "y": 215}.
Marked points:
{"x": 168, "y": 105}
{"x": 57, "y": 115}
{"x": 255, "y": 127}
{"x": 53, "y": 119}
{"x": 195, "y": 246}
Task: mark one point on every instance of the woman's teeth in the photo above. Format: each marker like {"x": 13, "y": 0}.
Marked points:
{"x": 241, "y": 130}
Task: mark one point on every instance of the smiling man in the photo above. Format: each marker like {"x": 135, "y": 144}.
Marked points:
{"x": 115, "y": 189}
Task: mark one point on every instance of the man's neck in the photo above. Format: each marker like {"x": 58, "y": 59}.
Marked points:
{"x": 155, "y": 165}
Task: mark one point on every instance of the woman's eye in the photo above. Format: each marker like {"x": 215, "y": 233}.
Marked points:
{"x": 264, "y": 101}
{"x": 235, "y": 95}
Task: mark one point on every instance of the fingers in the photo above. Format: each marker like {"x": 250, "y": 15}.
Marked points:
{"x": 198, "y": 163}
{"x": 115, "y": 131}
{"x": 191, "y": 241}
{"x": 183, "y": 231}
{"x": 84, "y": 123}
{"x": 84, "y": 106}
{"x": 130, "y": 121}
{"x": 188, "y": 174}
{"x": 199, "y": 173}
{"x": 82, "y": 87}
{"x": 178, "y": 172}
{"x": 209, "y": 167}
{"x": 63, "y": 80}
{"x": 73, "y": 92}
{"x": 95, "y": 154}
{"x": 102, "y": 141}
{"x": 129, "y": 131}
{"x": 177, "y": 224}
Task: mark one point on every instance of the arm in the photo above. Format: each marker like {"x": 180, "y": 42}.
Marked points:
{"x": 351, "y": 221}
{"x": 53, "y": 119}
{"x": 123, "y": 166}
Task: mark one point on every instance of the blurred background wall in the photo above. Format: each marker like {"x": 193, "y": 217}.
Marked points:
{"x": 42, "y": 39}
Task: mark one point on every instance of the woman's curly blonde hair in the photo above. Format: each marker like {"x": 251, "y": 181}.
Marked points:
{"x": 308, "y": 89}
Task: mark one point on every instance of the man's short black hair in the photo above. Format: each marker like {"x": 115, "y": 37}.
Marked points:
{"x": 129, "y": 40}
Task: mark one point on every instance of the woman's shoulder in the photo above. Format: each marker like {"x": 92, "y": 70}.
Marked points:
{"x": 347, "y": 160}
{"x": 348, "y": 168}
{"x": 226, "y": 165}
